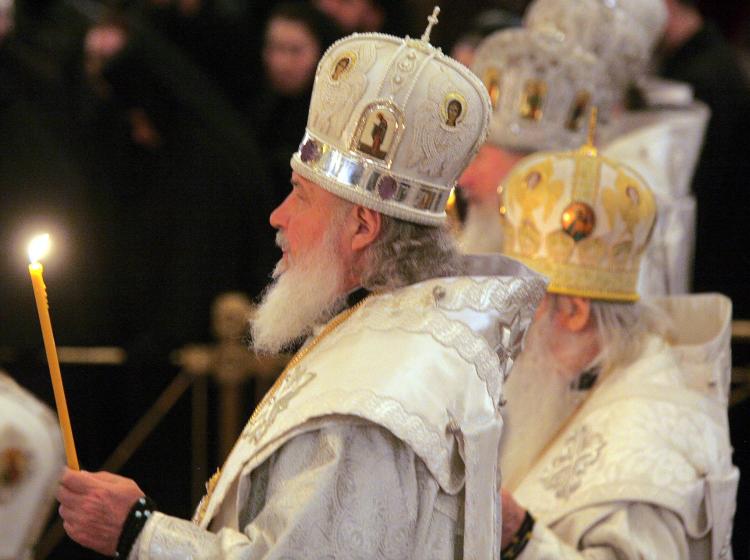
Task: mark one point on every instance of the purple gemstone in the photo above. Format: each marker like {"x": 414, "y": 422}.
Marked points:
{"x": 309, "y": 151}
{"x": 387, "y": 187}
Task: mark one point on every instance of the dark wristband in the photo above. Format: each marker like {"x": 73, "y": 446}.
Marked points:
{"x": 134, "y": 522}
{"x": 520, "y": 539}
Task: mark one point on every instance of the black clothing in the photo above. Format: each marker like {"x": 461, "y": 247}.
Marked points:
{"x": 722, "y": 259}
{"x": 280, "y": 124}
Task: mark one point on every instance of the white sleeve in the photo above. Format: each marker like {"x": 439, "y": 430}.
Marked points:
{"x": 343, "y": 491}
{"x": 626, "y": 531}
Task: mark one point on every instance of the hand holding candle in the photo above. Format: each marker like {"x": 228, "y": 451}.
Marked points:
{"x": 38, "y": 247}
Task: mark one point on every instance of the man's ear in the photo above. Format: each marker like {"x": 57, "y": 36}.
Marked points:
{"x": 368, "y": 223}
{"x": 573, "y": 313}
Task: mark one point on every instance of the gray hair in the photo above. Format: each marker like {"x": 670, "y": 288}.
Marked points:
{"x": 623, "y": 329}
{"x": 405, "y": 253}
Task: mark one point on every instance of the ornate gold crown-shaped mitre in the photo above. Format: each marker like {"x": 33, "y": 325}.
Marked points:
{"x": 581, "y": 219}
{"x": 541, "y": 88}
{"x": 621, "y": 33}
{"x": 392, "y": 124}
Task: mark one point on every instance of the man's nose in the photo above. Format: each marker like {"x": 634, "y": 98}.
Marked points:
{"x": 279, "y": 216}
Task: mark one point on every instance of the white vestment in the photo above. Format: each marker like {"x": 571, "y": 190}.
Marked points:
{"x": 643, "y": 468}
{"x": 31, "y": 462}
{"x": 664, "y": 146}
{"x": 382, "y": 441}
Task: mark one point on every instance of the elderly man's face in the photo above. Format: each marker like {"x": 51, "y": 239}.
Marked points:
{"x": 317, "y": 234}
{"x": 485, "y": 172}
{"x": 303, "y": 218}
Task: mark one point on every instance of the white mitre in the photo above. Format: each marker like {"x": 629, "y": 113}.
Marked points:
{"x": 392, "y": 136}
{"x": 621, "y": 33}
{"x": 664, "y": 144}
{"x": 542, "y": 89}
{"x": 31, "y": 460}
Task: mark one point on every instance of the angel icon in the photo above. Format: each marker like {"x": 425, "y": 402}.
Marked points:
{"x": 440, "y": 127}
{"x": 338, "y": 88}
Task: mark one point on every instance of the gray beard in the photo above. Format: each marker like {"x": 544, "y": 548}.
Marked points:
{"x": 303, "y": 294}
{"x": 539, "y": 401}
{"x": 482, "y": 231}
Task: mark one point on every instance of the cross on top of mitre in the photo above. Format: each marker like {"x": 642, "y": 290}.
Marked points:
{"x": 432, "y": 20}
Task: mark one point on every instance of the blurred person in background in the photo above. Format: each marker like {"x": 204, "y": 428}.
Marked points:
{"x": 295, "y": 38}
{"x": 527, "y": 73}
{"x": 545, "y": 77}
{"x": 464, "y": 50}
{"x": 385, "y": 16}
{"x": 42, "y": 183}
{"x": 169, "y": 149}
{"x": 221, "y": 37}
{"x": 6, "y": 18}
{"x": 694, "y": 51}
{"x": 485, "y": 22}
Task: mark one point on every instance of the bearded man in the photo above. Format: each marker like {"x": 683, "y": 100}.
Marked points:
{"x": 380, "y": 438}
{"x": 616, "y": 443}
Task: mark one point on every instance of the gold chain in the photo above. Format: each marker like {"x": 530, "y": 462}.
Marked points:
{"x": 302, "y": 352}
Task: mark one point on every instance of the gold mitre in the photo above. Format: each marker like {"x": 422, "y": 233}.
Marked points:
{"x": 581, "y": 219}
{"x": 393, "y": 122}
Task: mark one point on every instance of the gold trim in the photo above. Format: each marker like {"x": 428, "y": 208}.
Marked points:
{"x": 351, "y": 56}
{"x": 533, "y": 100}
{"x": 454, "y": 96}
{"x": 492, "y": 83}
{"x": 200, "y": 511}
{"x": 577, "y": 112}
{"x": 397, "y": 115}
{"x": 575, "y": 280}
{"x": 332, "y": 325}
{"x": 586, "y": 179}
{"x": 303, "y": 352}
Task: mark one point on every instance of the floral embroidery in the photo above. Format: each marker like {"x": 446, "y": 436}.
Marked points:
{"x": 565, "y": 474}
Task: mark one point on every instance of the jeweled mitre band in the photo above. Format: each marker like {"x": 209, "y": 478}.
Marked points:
{"x": 352, "y": 177}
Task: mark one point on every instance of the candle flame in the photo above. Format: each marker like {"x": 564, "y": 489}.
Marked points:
{"x": 39, "y": 247}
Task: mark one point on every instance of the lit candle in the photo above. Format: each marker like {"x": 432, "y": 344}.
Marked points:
{"x": 39, "y": 247}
